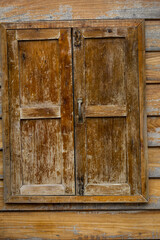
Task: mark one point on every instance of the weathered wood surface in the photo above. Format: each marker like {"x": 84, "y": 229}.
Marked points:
{"x": 153, "y": 99}
{"x": 41, "y": 109}
{"x": 154, "y": 162}
{"x": 152, "y": 33}
{"x": 22, "y": 102}
{"x": 75, "y": 225}
{"x": 37, "y": 69}
{"x": 153, "y": 125}
{"x": 128, "y": 225}
{"x": 153, "y": 67}
{"x": 1, "y": 165}
{"x": 154, "y": 203}
{"x": 101, "y": 155}
{"x": 105, "y": 111}
{"x": 11, "y": 11}
{"x": 39, "y": 113}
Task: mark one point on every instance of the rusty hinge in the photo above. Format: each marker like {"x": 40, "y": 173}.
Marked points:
{"x": 77, "y": 38}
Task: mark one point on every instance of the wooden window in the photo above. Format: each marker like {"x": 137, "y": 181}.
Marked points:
{"x": 89, "y": 71}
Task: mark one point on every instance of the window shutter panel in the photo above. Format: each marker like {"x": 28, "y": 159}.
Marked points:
{"x": 41, "y": 112}
{"x": 110, "y": 145}
{"x": 106, "y": 60}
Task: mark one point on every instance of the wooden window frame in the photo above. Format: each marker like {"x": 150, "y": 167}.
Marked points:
{"x": 137, "y": 24}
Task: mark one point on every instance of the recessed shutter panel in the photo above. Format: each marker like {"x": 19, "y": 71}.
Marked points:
{"x": 74, "y": 119}
{"x": 107, "y": 105}
{"x": 41, "y": 112}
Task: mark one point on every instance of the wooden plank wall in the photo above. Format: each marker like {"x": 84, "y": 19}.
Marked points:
{"x": 135, "y": 221}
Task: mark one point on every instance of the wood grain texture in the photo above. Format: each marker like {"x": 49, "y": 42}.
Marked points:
{"x": 41, "y": 152}
{"x": 107, "y": 189}
{"x": 133, "y": 110}
{"x": 154, "y": 162}
{"x": 106, "y": 151}
{"x": 104, "y": 70}
{"x": 154, "y": 186}
{"x": 153, "y": 155}
{"x": 39, "y": 73}
{"x": 100, "y": 64}
{"x": 153, "y": 124}
{"x": 153, "y": 67}
{"x": 154, "y": 203}
{"x": 105, "y": 111}
{"x": 91, "y": 78}
{"x": 152, "y": 34}
{"x": 153, "y": 73}
{"x": 1, "y": 165}
{"x": 153, "y": 99}
{"x": 51, "y": 10}
{"x": 39, "y": 113}
{"x": 5, "y": 107}
{"x": 38, "y": 34}
{"x": 113, "y": 23}
{"x": 128, "y": 225}
{"x": 14, "y": 113}
{"x": 142, "y": 109}
{"x": 75, "y": 225}
{"x": 43, "y": 189}
{"x": 1, "y": 142}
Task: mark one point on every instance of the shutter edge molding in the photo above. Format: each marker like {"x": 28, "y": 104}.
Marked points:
{"x": 138, "y": 25}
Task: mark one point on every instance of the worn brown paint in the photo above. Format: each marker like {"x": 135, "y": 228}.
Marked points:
{"x": 41, "y": 112}
{"x": 126, "y": 225}
{"x": 102, "y": 59}
{"x": 29, "y": 60}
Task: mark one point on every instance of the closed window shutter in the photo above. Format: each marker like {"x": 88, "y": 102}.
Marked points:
{"x": 109, "y": 138}
{"x": 41, "y": 112}
{"x": 74, "y": 120}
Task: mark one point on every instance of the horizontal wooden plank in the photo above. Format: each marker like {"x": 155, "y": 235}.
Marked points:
{"x": 105, "y": 111}
{"x": 77, "y": 199}
{"x": 109, "y": 189}
{"x": 107, "y": 23}
{"x": 154, "y": 162}
{"x": 12, "y": 10}
{"x": 153, "y": 67}
{"x": 36, "y": 113}
{"x": 80, "y": 225}
{"x": 152, "y": 35}
{"x": 103, "y": 33}
{"x": 37, "y": 34}
{"x": 153, "y": 126}
{"x": 153, "y": 99}
{"x": 45, "y": 189}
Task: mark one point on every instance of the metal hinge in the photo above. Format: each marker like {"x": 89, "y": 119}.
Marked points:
{"x": 81, "y": 185}
{"x": 77, "y": 38}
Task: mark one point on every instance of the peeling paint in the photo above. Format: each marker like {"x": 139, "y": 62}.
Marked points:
{"x": 73, "y": 230}
{"x": 64, "y": 13}
{"x": 154, "y": 172}
{"x": 154, "y": 137}
{"x": 4, "y": 10}
{"x": 137, "y": 11}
